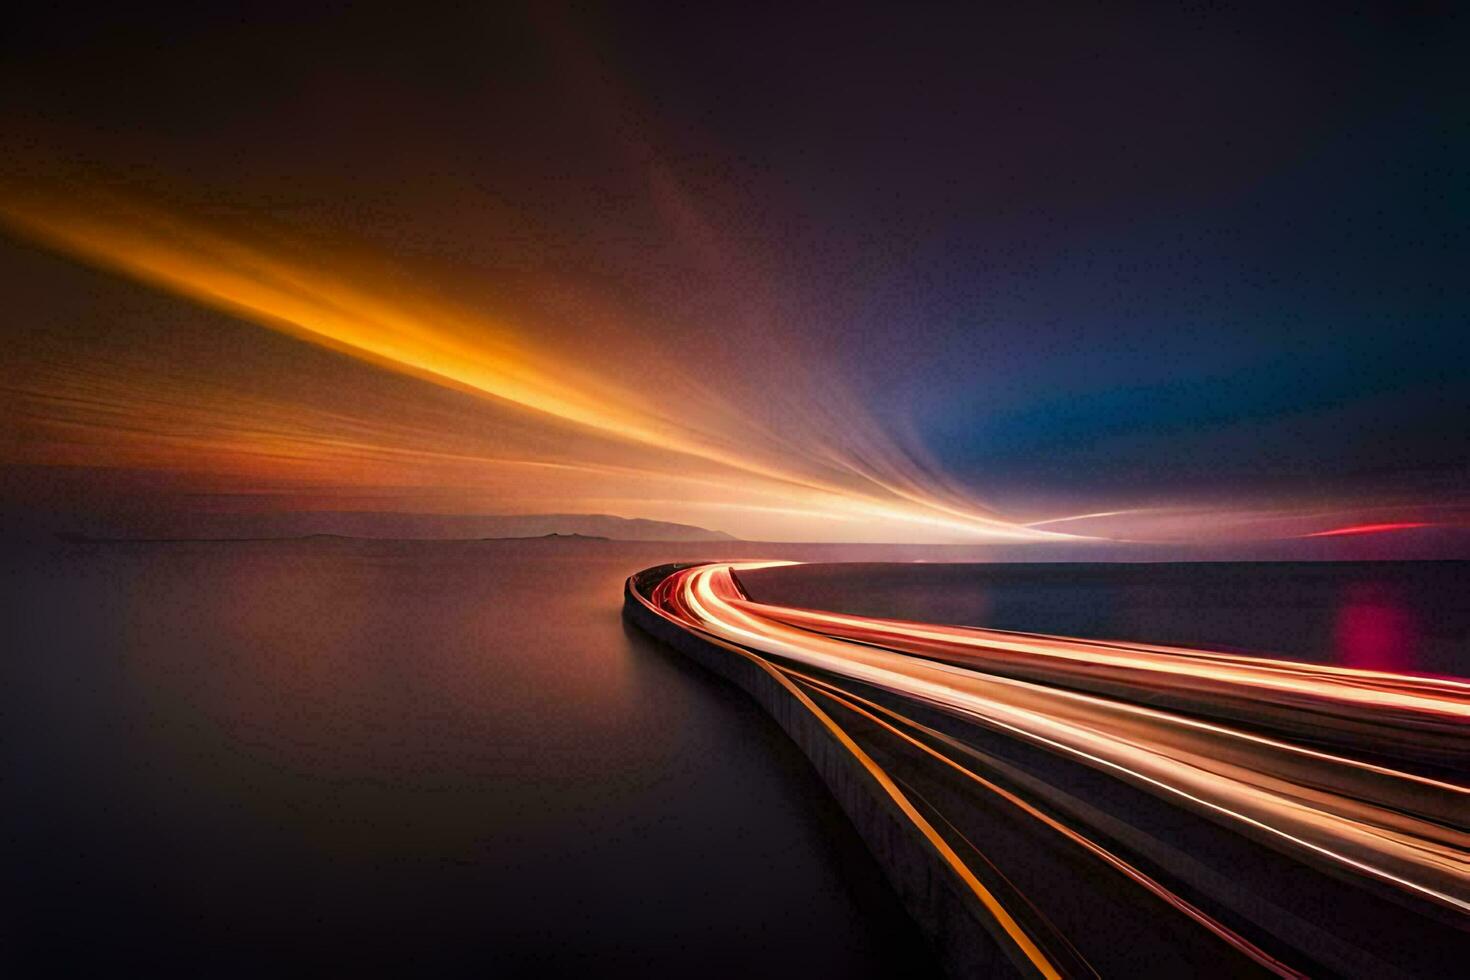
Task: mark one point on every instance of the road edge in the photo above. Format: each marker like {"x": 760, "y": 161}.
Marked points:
{"x": 957, "y": 925}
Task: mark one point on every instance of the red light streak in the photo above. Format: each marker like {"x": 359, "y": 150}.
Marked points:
{"x": 1368, "y": 529}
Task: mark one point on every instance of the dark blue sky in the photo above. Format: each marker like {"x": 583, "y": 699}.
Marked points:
{"x": 1208, "y": 249}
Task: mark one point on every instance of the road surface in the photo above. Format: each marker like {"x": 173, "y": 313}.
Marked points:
{"x": 1127, "y": 809}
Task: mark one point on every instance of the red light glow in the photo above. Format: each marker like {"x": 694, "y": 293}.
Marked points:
{"x": 1367, "y": 529}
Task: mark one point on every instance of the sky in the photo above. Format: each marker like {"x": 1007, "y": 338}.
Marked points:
{"x": 889, "y": 273}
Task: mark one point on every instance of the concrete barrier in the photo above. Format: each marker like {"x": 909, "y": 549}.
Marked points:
{"x": 968, "y": 939}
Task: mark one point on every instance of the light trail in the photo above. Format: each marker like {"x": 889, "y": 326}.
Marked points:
{"x": 1267, "y": 749}
{"x": 1411, "y": 712}
{"x": 871, "y": 710}
{"x": 1023, "y": 947}
{"x": 1338, "y": 532}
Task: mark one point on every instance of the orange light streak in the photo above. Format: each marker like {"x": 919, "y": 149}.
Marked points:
{"x": 868, "y": 708}
{"x": 827, "y": 461}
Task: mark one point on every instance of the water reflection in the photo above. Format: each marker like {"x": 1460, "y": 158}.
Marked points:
{"x": 399, "y": 758}
{"x": 1376, "y": 628}
{"x": 1401, "y": 616}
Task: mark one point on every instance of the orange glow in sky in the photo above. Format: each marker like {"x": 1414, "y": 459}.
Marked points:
{"x": 449, "y": 400}
{"x": 622, "y": 428}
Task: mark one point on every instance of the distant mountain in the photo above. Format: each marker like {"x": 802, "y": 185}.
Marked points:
{"x": 357, "y": 524}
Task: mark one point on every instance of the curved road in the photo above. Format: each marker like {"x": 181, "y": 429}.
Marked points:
{"x": 1126, "y": 809}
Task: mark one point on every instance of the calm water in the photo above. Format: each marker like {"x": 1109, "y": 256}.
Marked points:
{"x": 453, "y": 757}
{"x": 1401, "y": 616}
{"x": 437, "y": 757}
